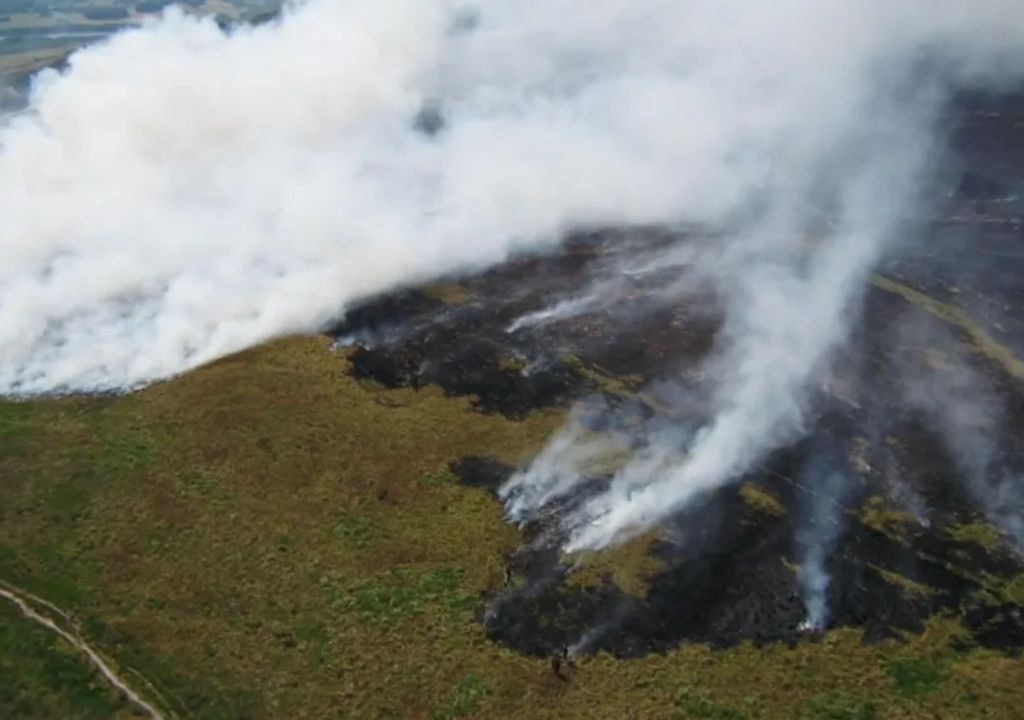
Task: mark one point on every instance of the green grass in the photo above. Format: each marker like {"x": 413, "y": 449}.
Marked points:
{"x": 760, "y": 501}
{"x": 628, "y": 566}
{"x": 978, "y": 533}
{"x": 266, "y": 537}
{"x": 840, "y": 708}
{"x": 398, "y": 593}
{"x": 41, "y": 676}
{"x": 915, "y": 677}
{"x": 907, "y": 585}
{"x": 883, "y": 518}
{"x": 15, "y": 423}
{"x": 466, "y": 698}
{"x": 694, "y": 704}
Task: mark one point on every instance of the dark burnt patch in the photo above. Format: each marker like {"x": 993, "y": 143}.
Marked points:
{"x": 506, "y": 342}
{"x": 475, "y": 367}
{"x": 530, "y": 332}
{"x": 999, "y": 627}
{"x": 730, "y": 571}
{"x": 886, "y": 587}
{"x": 481, "y": 472}
{"x": 743, "y": 587}
{"x": 731, "y": 576}
{"x": 413, "y": 340}
{"x": 726, "y": 582}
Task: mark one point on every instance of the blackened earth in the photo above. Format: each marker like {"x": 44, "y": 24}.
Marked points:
{"x": 728, "y": 565}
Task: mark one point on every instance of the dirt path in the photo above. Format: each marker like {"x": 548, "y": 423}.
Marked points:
{"x": 22, "y": 600}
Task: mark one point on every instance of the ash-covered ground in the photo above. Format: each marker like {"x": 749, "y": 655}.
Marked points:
{"x": 915, "y": 427}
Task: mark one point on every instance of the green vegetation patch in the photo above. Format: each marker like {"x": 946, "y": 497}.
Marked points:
{"x": 903, "y": 582}
{"x": 619, "y": 385}
{"x": 405, "y": 592}
{"x": 1013, "y": 590}
{"x": 761, "y": 501}
{"x": 41, "y": 676}
{"x": 981, "y": 342}
{"x": 628, "y": 566}
{"x": 695, "y": 704}
{"x": 466, "y": 698}
{"x": 978, "y": 533}
{"x": 840, "y": 708}
{"x": 915, "y": 677}
{"x": 450, "y": 293}
{"x": 881, "y": 517}
{"x": 15, "y": 422}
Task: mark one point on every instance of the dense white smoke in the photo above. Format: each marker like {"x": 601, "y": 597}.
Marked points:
{"x": 180, "y": 193}
{"x": 842, "y": 106}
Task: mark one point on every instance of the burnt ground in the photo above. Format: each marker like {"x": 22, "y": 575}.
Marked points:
{"x": 912, "y": 540}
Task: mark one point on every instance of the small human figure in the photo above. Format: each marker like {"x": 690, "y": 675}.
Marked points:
{"x": 556, "y": 666}
{"x": 559, "y": 659}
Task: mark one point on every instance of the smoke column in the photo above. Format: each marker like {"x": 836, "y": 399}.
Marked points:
{"x": 844, "y": 134}
{"x": 820, "y": 528}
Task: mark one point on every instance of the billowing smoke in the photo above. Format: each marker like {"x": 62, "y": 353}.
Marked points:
{"x": 179, "y": 192}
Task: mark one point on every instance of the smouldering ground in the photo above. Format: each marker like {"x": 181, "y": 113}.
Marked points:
{"x": 268, "y": 537}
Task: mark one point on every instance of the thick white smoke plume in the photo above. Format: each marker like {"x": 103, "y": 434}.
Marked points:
{"x": 845, "y": 102}
{"x": 180, "y": 193}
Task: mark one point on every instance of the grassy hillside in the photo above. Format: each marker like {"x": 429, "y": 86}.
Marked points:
{"x": 268, "y": 538}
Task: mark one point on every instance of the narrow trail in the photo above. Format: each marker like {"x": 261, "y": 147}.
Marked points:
{"x": 22, "y": 601}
